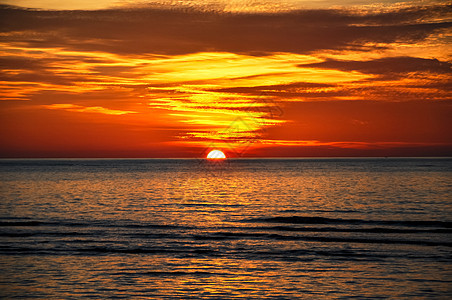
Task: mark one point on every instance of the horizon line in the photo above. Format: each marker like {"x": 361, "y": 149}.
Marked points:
{"x": 229, "y": 158}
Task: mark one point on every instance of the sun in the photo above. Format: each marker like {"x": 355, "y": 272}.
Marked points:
{"x": 216, "y": 154}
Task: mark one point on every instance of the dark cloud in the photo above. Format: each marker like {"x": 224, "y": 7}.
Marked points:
{"x": 268, "y": 89}
{"x": 385, "y": 66}
{"x": 166, "y": 31}
{"x": 18, "y": 62}
{"x": 369, "y": 89}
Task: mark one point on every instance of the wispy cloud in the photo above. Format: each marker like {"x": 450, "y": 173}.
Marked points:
{"x": 89, "y": 109}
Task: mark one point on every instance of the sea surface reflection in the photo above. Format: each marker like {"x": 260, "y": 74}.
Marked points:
{"x": 251, "y": 229}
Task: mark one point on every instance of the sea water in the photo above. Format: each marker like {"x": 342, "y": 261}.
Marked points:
{"x": 243, "y": 228}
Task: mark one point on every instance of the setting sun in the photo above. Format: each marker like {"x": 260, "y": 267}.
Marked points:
{"x": 216, "y": 154}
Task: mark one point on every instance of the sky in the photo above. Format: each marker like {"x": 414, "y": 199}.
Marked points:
{"x": 292, "y": 78}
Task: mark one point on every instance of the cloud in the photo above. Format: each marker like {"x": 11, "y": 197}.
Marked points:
{"x": 386, "y": 65}
{"x": 90, "y": 109}
{"x": 172, "y": 31}
{"x": 273, "y": 88}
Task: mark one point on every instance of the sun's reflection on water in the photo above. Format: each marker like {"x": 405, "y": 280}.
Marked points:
{"x": 232, "y": 229}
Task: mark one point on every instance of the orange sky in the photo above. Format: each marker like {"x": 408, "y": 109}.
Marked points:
{"x": 253, "y": 78}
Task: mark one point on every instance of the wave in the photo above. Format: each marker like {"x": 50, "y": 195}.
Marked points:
{"x": 303, "y": 253}
{"x": 43, "y": 233}
{"x": 357, "y": 230}
{"x": 89, "y": 224}
{"x": 100, "y": 250}
{"x": 21, "y": 223}
{"x": 323, "y": 220}
{"x": 168, "y": 273}
{"x": 324, "y": 239}
{"x": 209, "y": 204}
{"x": 251, "y": 232}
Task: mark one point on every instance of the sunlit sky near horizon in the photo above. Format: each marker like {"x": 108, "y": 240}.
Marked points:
{"x": 225, "y": 5}
{"x": 253, "y": 78}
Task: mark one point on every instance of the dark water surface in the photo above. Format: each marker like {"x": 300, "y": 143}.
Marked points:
{"x": 251, "y": 229}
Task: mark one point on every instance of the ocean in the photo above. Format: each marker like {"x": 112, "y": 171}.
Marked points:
{"x": 365, "y": 228}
